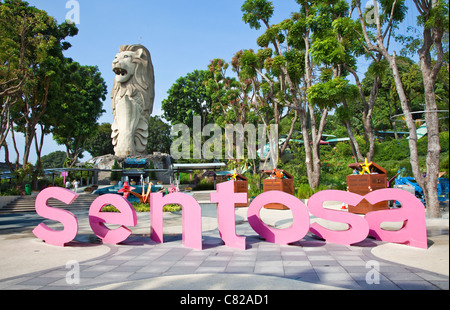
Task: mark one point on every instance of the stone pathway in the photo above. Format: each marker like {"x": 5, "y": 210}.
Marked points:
{"x": 305, "y": 264}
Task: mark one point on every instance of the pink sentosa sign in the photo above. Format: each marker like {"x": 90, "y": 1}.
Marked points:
{"x": 411, "y": 214}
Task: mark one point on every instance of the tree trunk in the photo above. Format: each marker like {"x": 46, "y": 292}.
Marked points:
{"x": 291, "y": 131}
{"x": 432, "y": 36}
{"x": 434, "y": 147}
{"x": 368, "y": 109}
{"x": 29, "y": 136}
{"x": 368, "y": 128}
{"x": 410, "y": 123}
{"x": 353, "y": 143}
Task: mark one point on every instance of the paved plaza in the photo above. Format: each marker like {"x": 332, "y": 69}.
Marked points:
{"x": 139, "y": 263}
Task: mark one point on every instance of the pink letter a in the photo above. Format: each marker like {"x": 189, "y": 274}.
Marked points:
{"x": 411, "y": 213}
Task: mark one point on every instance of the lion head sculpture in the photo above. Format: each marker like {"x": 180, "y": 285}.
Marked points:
{"x": 132, "y": 99}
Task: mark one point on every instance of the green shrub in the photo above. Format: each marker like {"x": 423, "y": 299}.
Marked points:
{"x": 144, "y": 207}
{"x": 152, "y": 174}
{"x": 10, "y": 191}
{"x": 305, "y": 192}
{"x": 204, "y": 185}
{"x": 344, "y": 149}
{"x": 253, "y": 180}
{"x": 391, "y": 150}
{"x": 116, "y": 175}
{"x": 185, "y": 178}
{"x": 172, "y": 208}
{"x": 444, "y": 163}
{"x": 444, "y": 140}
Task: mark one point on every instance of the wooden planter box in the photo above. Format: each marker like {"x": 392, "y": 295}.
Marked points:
{"x": 240, "y": 186}
{"x": 364, "y": 184}
{"x": 284, "y": 185}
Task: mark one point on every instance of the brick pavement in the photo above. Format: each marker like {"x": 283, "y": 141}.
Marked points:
{"x": 307, "y": 262}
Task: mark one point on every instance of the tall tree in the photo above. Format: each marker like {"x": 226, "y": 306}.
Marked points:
{"x": 35, "y": 46}
{"x": 434, "y": 18}
{"x": 13, "y": 73}
{"x": 232, "y": 103}
{"x": 276, "y": 69}
{"x": 185, "y": 98}
{"x": 336, "y": 47}
{"x": 434, "y": 15}
{"x": 296, "y": 45}
{"x": 75, "y": 121}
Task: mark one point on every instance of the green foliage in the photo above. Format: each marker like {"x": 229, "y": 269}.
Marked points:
{"x": 144, "y": 207}
{"x": 9, "y": 191}
{"x": 391, "y": 150}
{"x": 82, "y": 103}
{"x": 116, "y": 175}
{"x": 100, "y": 143}
{"x": 53, "y": 160}
{"x": 444, "y": 166}
{"x": 328, "y": 51}
{"x": 152, "y": 174}
{"x": 444, "y": 141}
{"x": 255, "y": 11}
{"x": 254, "y": 183}
{"x": 159, "y": 139}
{"x": 185, "y": 98}
{"x": 204, "y": 185}
{"x": 396, "y": 150}
{"x": 332, "y": 92}
{"x": 437, "y": 15}
{"x": 23, "y": 173}
{"x": 248, "y": 62}
{"x": 305, "y": 192}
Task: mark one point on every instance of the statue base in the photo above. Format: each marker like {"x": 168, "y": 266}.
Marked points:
{"x": 106, "y": 162}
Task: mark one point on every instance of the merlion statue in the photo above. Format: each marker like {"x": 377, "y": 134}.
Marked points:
{"x": 132, "y": 100}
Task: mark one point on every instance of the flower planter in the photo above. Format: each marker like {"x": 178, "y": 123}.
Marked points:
{"x": 364, "y": 184}
{"x": 284, "y": 182}
{"x": 240, "y": 186}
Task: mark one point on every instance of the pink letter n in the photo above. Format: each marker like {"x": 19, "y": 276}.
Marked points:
{"x": 191, "y": 218}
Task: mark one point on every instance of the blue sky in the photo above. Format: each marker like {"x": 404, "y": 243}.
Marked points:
{"x": 182, "y": 36}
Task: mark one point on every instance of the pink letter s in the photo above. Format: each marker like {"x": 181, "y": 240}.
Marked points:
{"x": 358, "y": 230}
{"x": 69, "y": 221}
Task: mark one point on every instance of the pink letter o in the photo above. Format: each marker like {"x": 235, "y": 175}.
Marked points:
{"x": 296, "y": 232}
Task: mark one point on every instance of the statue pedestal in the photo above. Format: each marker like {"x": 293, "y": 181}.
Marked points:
{"x": 160, "y": 161}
